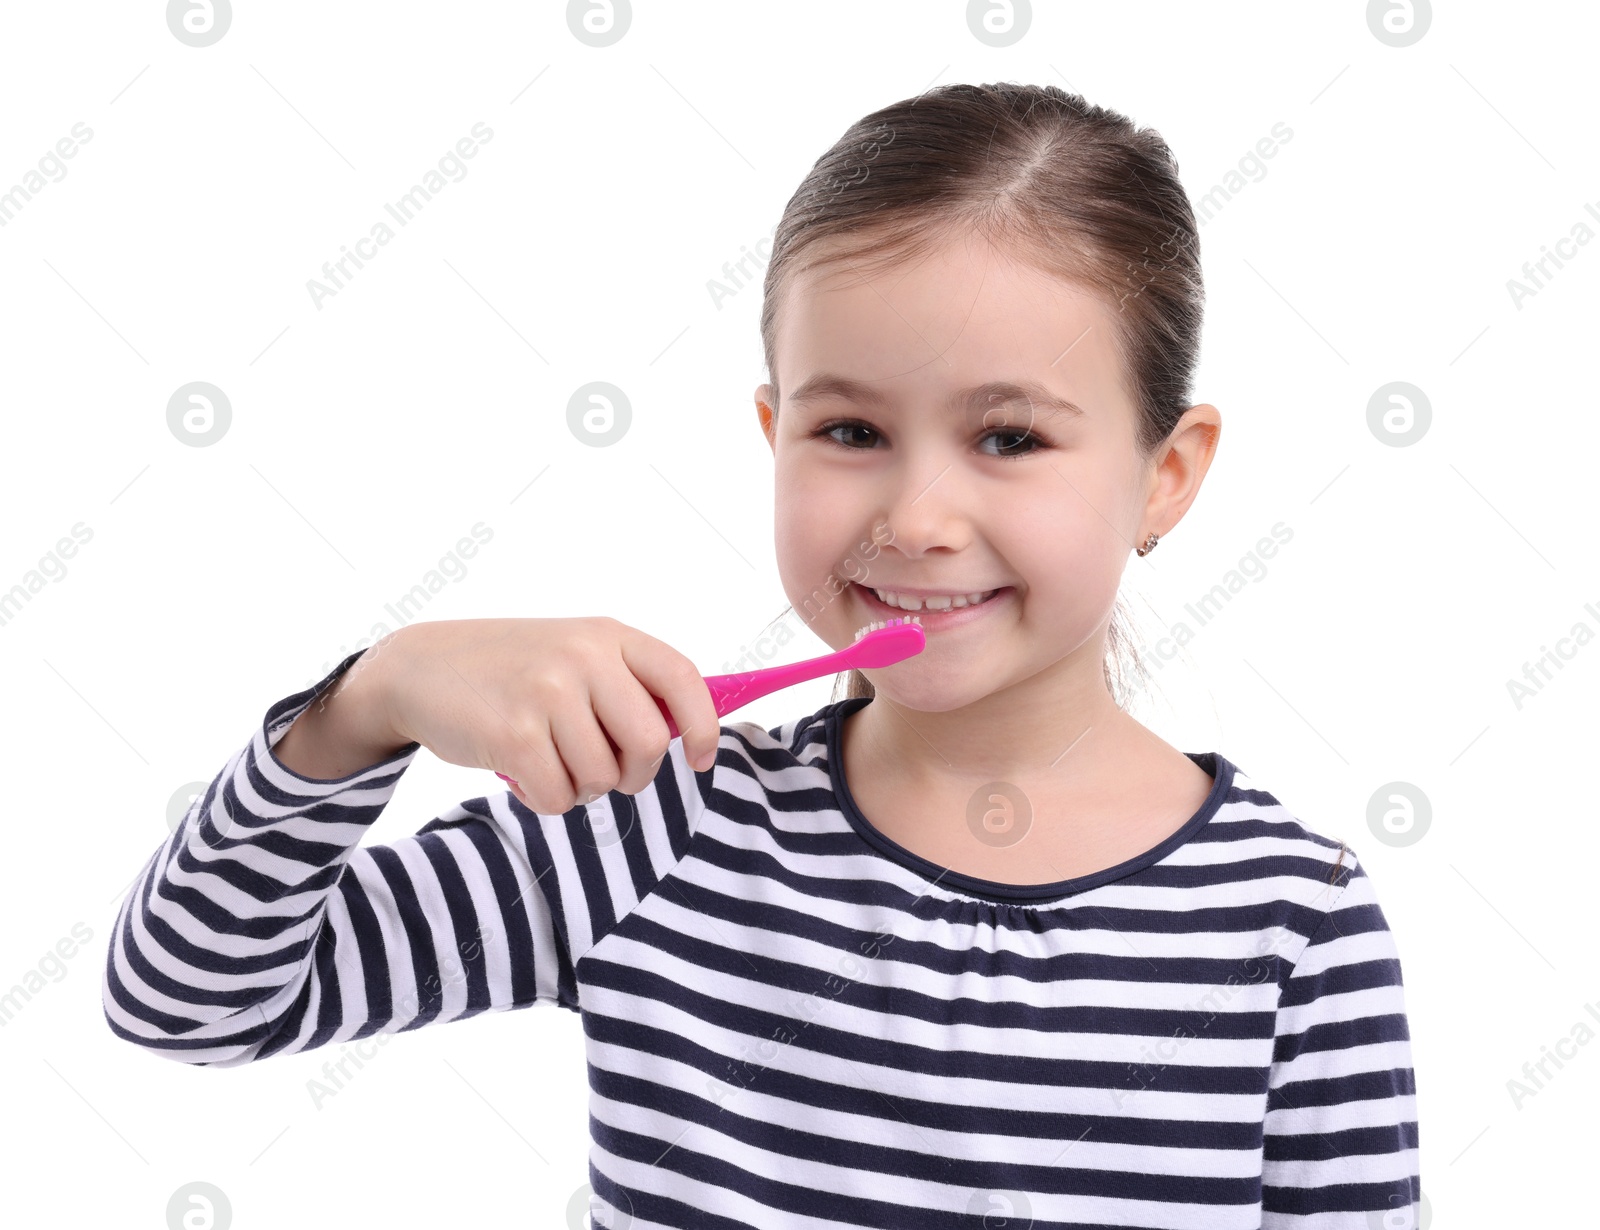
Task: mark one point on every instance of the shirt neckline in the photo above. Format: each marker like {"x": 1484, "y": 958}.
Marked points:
{"x": 1214, "y": 763}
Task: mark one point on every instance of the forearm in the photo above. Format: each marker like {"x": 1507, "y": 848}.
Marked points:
{"x": 221, "y": 953}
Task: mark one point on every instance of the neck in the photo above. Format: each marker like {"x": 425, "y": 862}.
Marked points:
{"x": 1045, "y": 733}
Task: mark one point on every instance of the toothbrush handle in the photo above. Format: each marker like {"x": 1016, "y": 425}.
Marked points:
{"x": 730, "y": 692}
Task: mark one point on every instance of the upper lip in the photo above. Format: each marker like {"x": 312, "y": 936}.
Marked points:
{"x": 913, "y": 592}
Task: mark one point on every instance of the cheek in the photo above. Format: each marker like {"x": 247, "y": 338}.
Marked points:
{"x": 1065, "y": 543}
{"x": 800, "y": 527}
{"x": 809, "y": 501}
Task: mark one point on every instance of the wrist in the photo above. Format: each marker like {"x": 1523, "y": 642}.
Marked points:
{"x": 365, "y": 707}
{"x": 346, "y": 728}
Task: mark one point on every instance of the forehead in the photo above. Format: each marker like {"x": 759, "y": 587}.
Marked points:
{"x": 963, "y": 321}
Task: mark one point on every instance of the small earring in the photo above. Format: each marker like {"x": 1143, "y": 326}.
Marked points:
{"x": 1149, "y": 544}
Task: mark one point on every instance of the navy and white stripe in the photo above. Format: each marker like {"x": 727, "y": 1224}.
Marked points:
{"x": 826, "y": 1029}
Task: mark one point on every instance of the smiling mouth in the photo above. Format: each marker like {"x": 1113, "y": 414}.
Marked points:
{"x": 938, "y": 602}
{"x": 934, "y": 618}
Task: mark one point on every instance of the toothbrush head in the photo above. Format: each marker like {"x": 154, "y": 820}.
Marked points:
{"x": 885, "y": 642}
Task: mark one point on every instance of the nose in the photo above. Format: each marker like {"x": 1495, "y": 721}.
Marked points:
{"x": 928, "y": 505}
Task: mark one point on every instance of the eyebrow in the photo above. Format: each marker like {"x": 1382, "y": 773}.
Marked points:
{"x": 987, "y": 395}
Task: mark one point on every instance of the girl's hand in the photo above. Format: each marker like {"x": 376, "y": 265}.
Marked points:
{"x": 564, "y": 706}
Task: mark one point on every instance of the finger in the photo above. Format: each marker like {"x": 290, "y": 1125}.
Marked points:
{"x": 584, "y": 750}
{"x": 634, "y": 727}
{"x": 668, "y": 674}
{"x": 534, "y": 766}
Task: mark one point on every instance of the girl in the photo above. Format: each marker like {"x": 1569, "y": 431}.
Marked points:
{"x": 968, "y": 946}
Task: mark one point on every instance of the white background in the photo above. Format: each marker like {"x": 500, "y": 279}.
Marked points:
{"x": 371, "y": 434}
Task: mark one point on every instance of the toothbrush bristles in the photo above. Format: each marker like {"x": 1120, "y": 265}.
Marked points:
{"x": 885, "y": 623}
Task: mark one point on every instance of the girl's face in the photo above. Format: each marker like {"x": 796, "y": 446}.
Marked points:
{"x": 956, "y": 426}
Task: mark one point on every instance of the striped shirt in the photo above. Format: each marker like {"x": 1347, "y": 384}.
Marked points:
{"x": 791, "y": 1020}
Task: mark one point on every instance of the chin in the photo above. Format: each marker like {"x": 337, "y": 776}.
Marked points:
{"x": 928, "y": 693}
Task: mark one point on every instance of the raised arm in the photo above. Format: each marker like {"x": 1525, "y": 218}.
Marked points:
{"x": 261, "y": 928}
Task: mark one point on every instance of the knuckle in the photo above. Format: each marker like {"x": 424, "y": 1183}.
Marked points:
{"x": 597, "y": 629}
{"x": 550, "y": 685}
{"x": 595, "y": 648}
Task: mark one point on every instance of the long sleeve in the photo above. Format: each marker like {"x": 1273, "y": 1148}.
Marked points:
{"x": 262, "y": 927}
{"x": 1341, "y": 1123}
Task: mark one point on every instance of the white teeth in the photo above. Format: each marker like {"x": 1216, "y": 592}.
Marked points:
{"x": 935, "y": 602}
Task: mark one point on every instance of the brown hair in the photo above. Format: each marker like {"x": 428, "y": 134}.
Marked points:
{"x": 1076, "y": 189}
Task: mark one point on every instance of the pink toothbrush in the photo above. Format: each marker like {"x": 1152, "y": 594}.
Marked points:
{"x": 880, "y": 643}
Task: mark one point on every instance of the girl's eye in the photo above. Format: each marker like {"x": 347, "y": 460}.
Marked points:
{"x": 827, "y": 429}
{"x": 1021, "y": 439}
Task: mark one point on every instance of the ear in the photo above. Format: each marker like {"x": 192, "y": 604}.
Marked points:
{"x": 1180, "y": 467}
{"x": 767, "y": 415}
